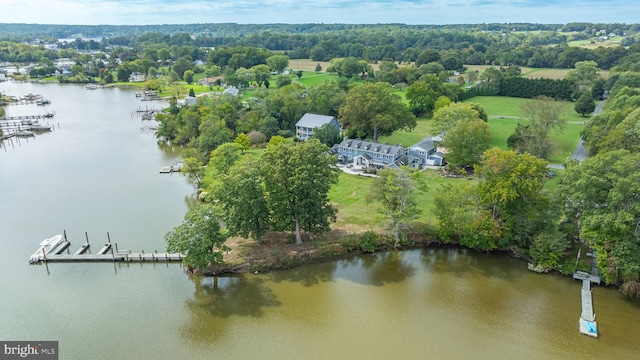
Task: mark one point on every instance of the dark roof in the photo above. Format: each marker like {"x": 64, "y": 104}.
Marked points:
{"x": 371, "y": 146}
{"x": 425, "y": 144}
{"x": 313, "y": 120}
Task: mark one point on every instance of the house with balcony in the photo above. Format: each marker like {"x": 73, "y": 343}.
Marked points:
{"x": 426, "y": 153}
{"x": 308, "y": 122}
{"x": 369, "y": 154}
{"x": 373, "y": 155}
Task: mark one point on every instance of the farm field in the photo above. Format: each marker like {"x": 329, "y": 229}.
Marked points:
{"x": 534, "y": 73}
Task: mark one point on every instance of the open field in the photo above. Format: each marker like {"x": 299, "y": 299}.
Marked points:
{"x": 595, "y": 43}
{"x": 534, "y": 73}
{"x": 510, "y": 106}
{"x": 349, "y": 196}
{"x": 307, "y": 64}
{"x": 504, "y": 112}
{"x": 564, "y": 141}
{"x": 311, "y": 78}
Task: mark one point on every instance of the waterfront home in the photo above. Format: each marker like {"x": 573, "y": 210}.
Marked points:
{"x": 308, "y": 122}
{"x": 369, "y": 154}
{"x": 425, "y": 152}
{"x": 136, "y": 77}
{"x": 373, "y": 155}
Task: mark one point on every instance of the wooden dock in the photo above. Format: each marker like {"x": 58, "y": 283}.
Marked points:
{"x": 115, "y": 257}
{"x": 28, "y": 117}
{"x": 587, "y": 323}
{"x": 107, "y": 253}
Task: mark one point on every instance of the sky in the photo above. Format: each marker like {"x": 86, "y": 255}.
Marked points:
{"x": 147, "y": 12}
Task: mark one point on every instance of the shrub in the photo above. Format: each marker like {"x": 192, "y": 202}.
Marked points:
{"x": 369, "y": 242}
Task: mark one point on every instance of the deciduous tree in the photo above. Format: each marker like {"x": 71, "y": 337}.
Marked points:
{"x": 584, "y": 104}
{"x": 373, "y": 109}
{"x": 603, "y": 191}
{"x": 445, "y": 118}
{"x": 511, "y": 189}
{"x": 240, "y": 194}
{"x": 396, "y": 191}
{"x": 466, "y": 142}
{"x": 278, "y": 63}
{"x": 297, "y": 178}
{"x": 198, "y": 238}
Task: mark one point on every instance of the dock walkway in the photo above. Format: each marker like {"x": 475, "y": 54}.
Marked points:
{"x": 106, "y": 254}
{"x": 587, "y": 322}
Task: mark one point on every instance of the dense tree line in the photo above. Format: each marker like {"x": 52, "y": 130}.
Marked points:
{"x": 454, "y": 45}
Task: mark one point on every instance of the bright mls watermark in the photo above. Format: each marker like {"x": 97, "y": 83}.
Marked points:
{"x": 29, "y": 350}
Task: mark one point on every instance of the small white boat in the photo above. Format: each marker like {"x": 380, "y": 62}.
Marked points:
{"x": 47, "y": 246}
{"x": 43, "y": 101}
{"x": 91, "y": 87}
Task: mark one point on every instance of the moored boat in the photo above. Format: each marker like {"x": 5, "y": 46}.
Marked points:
{"x": 47, "y": 246}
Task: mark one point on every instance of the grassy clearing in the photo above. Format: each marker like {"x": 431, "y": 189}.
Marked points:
{"x": 501, "y": 128}
{"x": 307, "y": 64}
{"x": 349, "y": 196}
{"x": 309, "y": 79}
{"x": 545, "y": 73}
{"x": 408, "y": 138}
{"x": 564, "y": 141}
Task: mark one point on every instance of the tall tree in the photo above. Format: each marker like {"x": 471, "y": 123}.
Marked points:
{"x": 327, "y": 134}
{"x": 543, "y": 114}
{"x": 461, "y": 216}
{"x": 584, "y": 74}
{"x": 603, "y": 191}
{"x": 373, "y": 109}
{"x": 240, "y": 194}
{"x": 198, "y": 238}
{"x": 445, "y": 118}
{"x": 396, "y": 191}
{"x": 584, "y": 104}
{"x": 297, "y": 178}
{"x": 326, "y": 98}
{"x": 261, "y": 74}
{"x": 511, "y": 189}
{"x": 278, "y": 63}
{"x": 466, "y": 142}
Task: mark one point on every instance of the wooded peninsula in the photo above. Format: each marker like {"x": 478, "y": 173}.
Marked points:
{"x": 315, "y": 141}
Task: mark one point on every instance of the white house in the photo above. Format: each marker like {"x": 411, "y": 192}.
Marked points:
{"x": 136, "y": 77}
{"x": 308, "y": 122}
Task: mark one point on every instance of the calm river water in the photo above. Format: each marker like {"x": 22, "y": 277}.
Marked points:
{"x": 98, "y": 173}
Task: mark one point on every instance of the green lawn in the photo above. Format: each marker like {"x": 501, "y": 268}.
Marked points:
{"x": 408, "y": 138}
{"x": 502, "y": 122}
{"x": 349, "y": 196}
{"x": 310, "y": 78}
{"x": 564, "y": 140}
